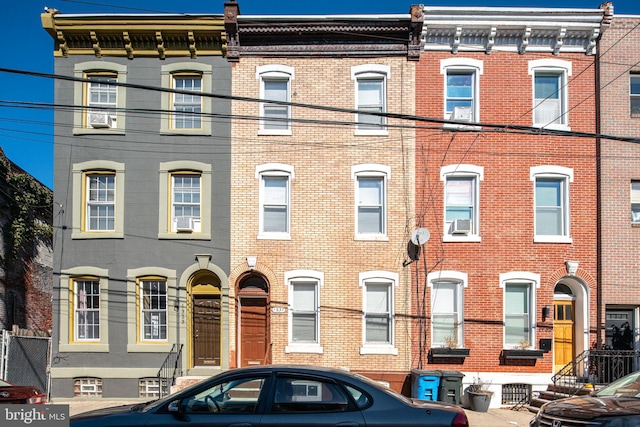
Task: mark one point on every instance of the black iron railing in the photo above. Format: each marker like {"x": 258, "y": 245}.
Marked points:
{"x": 169, "y": 370}
{"x": 595, "y": 367}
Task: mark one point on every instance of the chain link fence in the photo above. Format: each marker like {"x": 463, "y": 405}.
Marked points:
{"x": 25, "y": 360}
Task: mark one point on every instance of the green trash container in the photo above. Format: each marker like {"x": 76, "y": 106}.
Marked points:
{"x": 450, "y": 387}
{"x": 425, "y": 384}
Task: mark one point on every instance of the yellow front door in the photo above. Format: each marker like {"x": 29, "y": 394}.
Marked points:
{"x": 562, "y": 334}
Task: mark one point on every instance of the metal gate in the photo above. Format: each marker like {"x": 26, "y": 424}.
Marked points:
{"x": 24, "y": 360}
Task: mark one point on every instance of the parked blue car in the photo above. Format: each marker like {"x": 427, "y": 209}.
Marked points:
{"x": 270, "y": 396}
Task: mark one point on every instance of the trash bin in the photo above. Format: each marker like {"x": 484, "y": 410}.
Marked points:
{"x": 425, "y": 384}
{"x": 450, "y": 387}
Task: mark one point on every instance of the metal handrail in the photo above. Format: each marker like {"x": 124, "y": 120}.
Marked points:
{"x": 169, "y": 370}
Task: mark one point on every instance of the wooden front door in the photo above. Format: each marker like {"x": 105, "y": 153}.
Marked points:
{"x": 206, "y": 330}
{"x": 563, "y": 318}
{"x": 253, "y": 331}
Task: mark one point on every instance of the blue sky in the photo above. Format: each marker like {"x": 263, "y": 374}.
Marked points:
{"x": 26, "y": 135}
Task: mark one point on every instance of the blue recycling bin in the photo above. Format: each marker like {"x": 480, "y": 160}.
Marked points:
{"x": 425, "y": 384}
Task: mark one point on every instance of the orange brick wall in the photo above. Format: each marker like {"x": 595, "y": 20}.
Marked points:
{"x": 506, "y": 197}
{"x": 620, "y": 164}
{"x": 322, "y": 205}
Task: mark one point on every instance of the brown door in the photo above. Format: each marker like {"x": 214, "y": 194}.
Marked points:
{"x": 253, "y": 331}
{"x": 206, "y": 330}
{"x": 562, "y": 334}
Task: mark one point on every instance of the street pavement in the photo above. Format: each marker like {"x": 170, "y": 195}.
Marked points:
{"x": 491, "y": 418}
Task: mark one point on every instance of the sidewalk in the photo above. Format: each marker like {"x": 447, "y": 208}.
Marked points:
{"x": 492, "y": 418}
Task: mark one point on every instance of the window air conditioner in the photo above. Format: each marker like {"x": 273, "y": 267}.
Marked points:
{"x": 461, "y": 226}
{"x": 100, "y": 120}
{"x": 461, "y": 114}
{"x": 184, "y": 223}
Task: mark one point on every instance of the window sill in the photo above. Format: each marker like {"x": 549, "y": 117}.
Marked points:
{"x": 98, "y": 131}
{"x": 551, "y": 127}
{"x": 186, "y": 132}
{"x": 371, "y": 132}
{"x": 462, "y": 126}
{"x": 184, "y": 236}
{"x": 474, "y": 238}
{"x": 96, "y": 235}
{"x": 379, "y": 349}
{"x": 266, "y": 132}
{"x": 552, "y": 239}
{"x": 304, "y": 348}
{"x": 83, "y": 348}
{"x": 371, "y": 237}
{"x": 149, "y": 348}
{"x": 274, "y": 236}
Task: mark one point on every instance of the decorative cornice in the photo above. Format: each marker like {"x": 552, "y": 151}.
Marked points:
{"x": 519, "y": 30}
{"x": 162, "y": 35}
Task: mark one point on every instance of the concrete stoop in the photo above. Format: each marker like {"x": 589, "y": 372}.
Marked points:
{"x": 184, "y": 382}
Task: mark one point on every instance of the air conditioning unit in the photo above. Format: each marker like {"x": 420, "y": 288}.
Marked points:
{"x": 461, "y": 226}
{"x": 461, "y": 114}
{"x": 100, "y": 119}
{"x": 184, "y": 223}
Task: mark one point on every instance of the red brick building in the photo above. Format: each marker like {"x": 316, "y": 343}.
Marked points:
{"x": 619, "y": 94}
{"x": 507, "y": 191}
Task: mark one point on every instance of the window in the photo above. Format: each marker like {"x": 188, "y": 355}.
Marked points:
{"x": 236, "y": 396}
{"x": 186, "y": 113}
{"x": 302, "y": 395}
{"x": 149, "y": 388}
{"x": 519, "y": 303}
{"x": 185, "y": 202}
{"x": 635, "y": 202}
{"x": 304, "y": 310}
{"x": 86, "y": 303}
{"x": 461, "y": 202}
{"x": 275, "y": 85}
{"x": 153, "y": 310}
{"x": 87, "y": 387}
{"x": 187, "y": 107}
{"x": 634, "y": 86}
{"x": 550, "y": 103}
{"x": 98, "y": 202}
{"x": 447, "y": 308}
{"x": 97, "y": 88}
{"x": 378, "y": 312}
{"x": 150, "y": 309}
{"x": 371, "y": 84}
{"x": 551, "y": 199}
{"x": 84, "y": 306}
{"x": 185, "y": 209}
{"x": 371, "y": 195}
{"x": 461, "y": 92}
{"x": 275, "y": 200}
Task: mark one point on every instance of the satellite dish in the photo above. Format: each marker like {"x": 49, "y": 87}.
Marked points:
{"x": 420, "y": 236}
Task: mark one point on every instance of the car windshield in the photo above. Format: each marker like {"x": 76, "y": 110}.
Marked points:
{"x": 628, "y": 386}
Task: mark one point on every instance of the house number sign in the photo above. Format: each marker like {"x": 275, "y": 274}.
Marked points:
{"x": 278, "y": 310}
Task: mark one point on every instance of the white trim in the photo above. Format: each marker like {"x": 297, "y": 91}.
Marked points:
{"x": 563, "y": 69}
{"x": 561, "y": 173}
{"x": 463, "y": 171}
{"x": 371, "y": 170}
{"x": 279, "y": 72}
{"x": 392, "y": 280}
{"x": 533, "y": 281}
{"x": 369, "y": 71}
{"x": 461, "y": 280}
{"x": 273, "y": 170}
{"x": 300, "y": 276}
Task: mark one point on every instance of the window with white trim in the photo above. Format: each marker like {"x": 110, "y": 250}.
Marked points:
{"x": 185, "y": 200}
{"x": 86, "y": 310}
{"x": 462, "y": 89}
{"x": 153, "y": 310}
{"x": 186, "y": 196}
{"x": 446, "y": 309}
{"x": 519, "y": 308}
{"x": 101, "y": 199}
{"x": 635, "y": 201}
{"x": 304, "y": 310}
{"x": 634, "y": 94}
{"x": 87, "y": 387}
{"x": 550, "y": 92}
{"x": 551, "y": 201}
{"x": 98, "y": 200}
{"x": 378, "y": 312}
{"x": 187, "y": 106}
{"x": 275, "y": 85}
{"x": 371, "y": 97}
{"x": 185, "y": 110}
{"x": 98, "y": 88}
{"x": 461, "y": 201}
{"x": 371, "y": 200}
{"x": 275, "y": 200}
